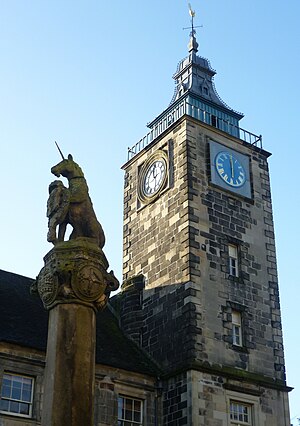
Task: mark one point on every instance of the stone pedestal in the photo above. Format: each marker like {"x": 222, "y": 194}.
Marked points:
{"x": 73, "y": 285}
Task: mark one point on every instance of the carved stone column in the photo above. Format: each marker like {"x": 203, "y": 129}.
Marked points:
{"x": 73, "y": 285}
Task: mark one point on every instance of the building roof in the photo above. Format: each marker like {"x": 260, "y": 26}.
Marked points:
{"x": 24, "y": 322}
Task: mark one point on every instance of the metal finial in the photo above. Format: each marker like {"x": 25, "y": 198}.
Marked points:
{"x": 192, "y": 14}
{"x": 59, "y": 150}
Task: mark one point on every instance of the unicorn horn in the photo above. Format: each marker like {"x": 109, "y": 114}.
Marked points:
{"x": 59, "y": 150}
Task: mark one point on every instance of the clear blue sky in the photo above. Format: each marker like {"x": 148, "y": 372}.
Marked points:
{"x": 91, "y": 74}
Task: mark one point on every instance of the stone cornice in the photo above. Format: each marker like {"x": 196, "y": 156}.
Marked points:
{"x": 231, "y": 373}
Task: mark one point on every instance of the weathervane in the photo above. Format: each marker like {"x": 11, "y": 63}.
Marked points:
{"x": 192, "y": 15}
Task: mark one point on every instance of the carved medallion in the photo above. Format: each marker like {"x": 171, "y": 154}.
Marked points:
{"x": 89, "y": 284}
{"x": 47, "y": 285}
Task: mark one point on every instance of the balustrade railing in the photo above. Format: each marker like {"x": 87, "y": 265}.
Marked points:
{"x": 184, "y": 107}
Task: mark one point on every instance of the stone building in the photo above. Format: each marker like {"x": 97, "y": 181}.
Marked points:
{"x": 194, "y": 337}
{"x": 124, "y": 374}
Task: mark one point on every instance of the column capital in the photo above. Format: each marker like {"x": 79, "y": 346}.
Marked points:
{"x": 75, "y": 272}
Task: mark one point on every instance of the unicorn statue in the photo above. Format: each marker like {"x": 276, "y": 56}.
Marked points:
{"x": 71, "y": 205}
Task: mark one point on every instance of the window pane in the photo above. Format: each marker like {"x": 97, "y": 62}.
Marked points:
{"x": 236, "y": 336}
{"x": 14, "y": 407}
{"x": 27, "y": 381}
{"x": 137, "y": 405}
{"x": 27, "y": 386}
{"x": 24, "y": 409}
{"x": 16, "y": 393}
{"x": 128, "y": 404}
{"x": 26, "y": 395}
{"x": 17, "y": 379}
{"x": 137, "y": 416}
{"x": 6, "y": 380}
{"x": 128, "y": 415}
{"x": 232, "y": 250}
{"x": 6, "y": 391}
{"x": 233, "y": 267}
{"x": 120, "y": 412}
{"x": 17, "y": 382}
{"x": 4, "y": 403}
{"x": 236, "y": 317}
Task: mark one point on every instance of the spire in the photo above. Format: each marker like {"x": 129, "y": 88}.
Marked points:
{"x": 194, "y": 77}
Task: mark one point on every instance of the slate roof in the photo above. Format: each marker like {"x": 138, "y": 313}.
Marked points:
{"x": 24, "y": 321}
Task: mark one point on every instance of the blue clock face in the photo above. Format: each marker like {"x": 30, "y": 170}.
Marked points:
{"x": 230, "y": 169}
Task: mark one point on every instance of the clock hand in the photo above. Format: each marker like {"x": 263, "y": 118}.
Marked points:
{"x": 153, "y": 174}
{"x": 151, "y": 179}
{"x": 231, "y": 166}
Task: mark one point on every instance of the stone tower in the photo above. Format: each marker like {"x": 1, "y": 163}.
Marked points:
{"x": 201, "y": 287}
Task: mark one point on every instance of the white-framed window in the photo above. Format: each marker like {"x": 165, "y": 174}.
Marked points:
{"x": 237, "y": 328}
{"x": 233, "y": 260}
{"x": 243, "y": 409}
{"x": 16, "y": 395}
{"x": 240, "y": 413}
{"x": 130, "y": 411}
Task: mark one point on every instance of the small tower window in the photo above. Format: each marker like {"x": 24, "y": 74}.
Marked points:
{"x": 237, "y": 328}
{"x": 233, "y": 260}
{"x": 130, "y": 411}
{"x": 240, "y": 413}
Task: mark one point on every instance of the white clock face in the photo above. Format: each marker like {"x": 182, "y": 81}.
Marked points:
{"x": 154, "y": 177}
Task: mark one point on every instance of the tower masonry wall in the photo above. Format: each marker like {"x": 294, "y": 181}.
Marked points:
{"x": 157, "y": 245}
{"x": 156, "y": 234}
{"x": 222, "y": 218}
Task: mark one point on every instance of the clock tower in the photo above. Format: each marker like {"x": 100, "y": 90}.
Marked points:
{"x": 200, "y": 292}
